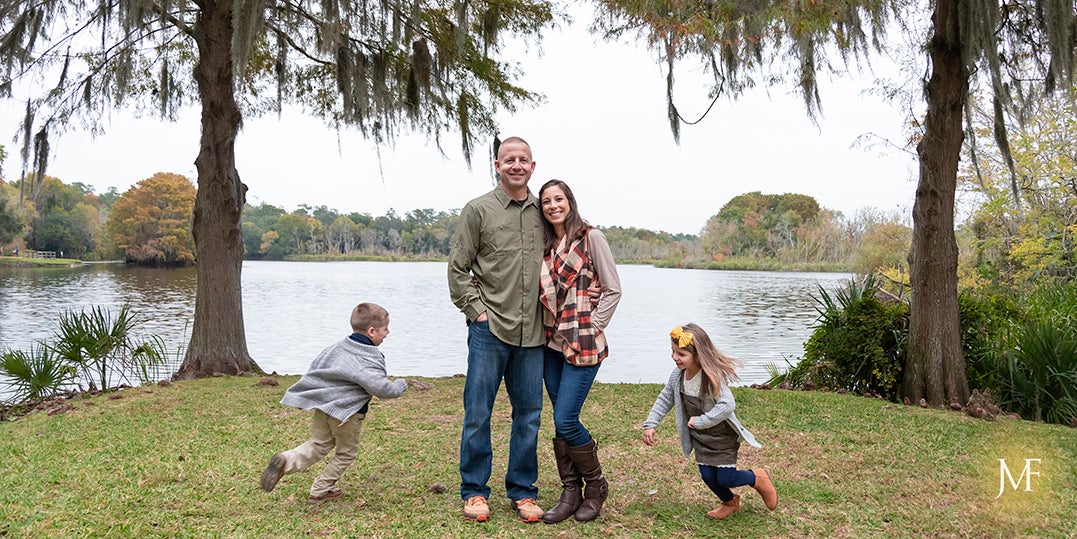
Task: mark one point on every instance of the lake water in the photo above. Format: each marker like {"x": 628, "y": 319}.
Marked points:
{"x": 294, "y": 309}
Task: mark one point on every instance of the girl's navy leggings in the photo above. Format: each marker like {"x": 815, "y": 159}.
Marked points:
{"x": 720, "y": 479}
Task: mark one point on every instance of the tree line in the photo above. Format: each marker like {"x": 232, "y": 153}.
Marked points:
{"x": 150, "y": 224}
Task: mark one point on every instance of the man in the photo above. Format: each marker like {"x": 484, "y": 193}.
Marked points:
{"x": 494, "y": 279}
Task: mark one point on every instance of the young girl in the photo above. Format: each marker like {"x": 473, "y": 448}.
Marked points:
{"x": 698, "y": 390}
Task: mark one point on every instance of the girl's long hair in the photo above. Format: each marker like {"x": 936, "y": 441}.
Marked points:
{"x": 575, "y": 226}
{"x": 718, "y": 368}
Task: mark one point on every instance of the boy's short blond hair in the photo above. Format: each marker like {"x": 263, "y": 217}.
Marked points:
{"x": 368, "y": 315}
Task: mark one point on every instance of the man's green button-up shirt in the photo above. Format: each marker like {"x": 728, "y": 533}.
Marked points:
{"x": 499, "y": 241}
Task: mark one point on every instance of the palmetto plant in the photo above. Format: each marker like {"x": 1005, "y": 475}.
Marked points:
{"x": 34, "y": 375}
{"x": 833, "y": 309}
{"x": 1037, "y": 371}
{"x": 858, "y": 341}
{"x": 834, "y": 313}
{"x": 102, "y": 347}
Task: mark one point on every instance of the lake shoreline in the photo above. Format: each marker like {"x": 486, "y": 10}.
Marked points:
{"x": 23, "y": 262}
{"x": 293, "y": 310}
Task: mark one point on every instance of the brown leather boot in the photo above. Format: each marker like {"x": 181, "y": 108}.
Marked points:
{"x": 596, "y": 488}
{"x": 726, "y": 509}
{"x": 571, "y": 496}
{"x": 765, "y": 488}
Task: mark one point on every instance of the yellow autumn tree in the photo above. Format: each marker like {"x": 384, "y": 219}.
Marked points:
{"x": 151, "y": 221}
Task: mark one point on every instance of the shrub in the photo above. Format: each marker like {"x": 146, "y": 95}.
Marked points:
{"x": 858, "y": 343}
{"x": 985, "y": 315}
{"x": 103, "y": 347}
{"x": 34, "y": 375}
{"x": 94, "y": 347}
{"x": 1036, "y": 372}
{"x": 1024, "y": 351}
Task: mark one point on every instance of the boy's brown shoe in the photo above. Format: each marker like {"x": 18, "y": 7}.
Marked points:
{"x": 330, "y": 494}
{"x": 527, "y": 509}
{"x": 475, "y": 508}
{"x": 273, "y": 472}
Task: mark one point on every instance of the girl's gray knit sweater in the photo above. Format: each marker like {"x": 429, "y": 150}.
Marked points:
{"x": 720, "y": 409}
{"x": 342, "y": 379}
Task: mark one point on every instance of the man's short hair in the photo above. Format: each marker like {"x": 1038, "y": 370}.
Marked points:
{"x": 499, "y": 143}
{"x": 368, "y": 315}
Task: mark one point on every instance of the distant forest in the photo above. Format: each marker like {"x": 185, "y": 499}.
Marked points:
{"x": 150, "y": 224}
{"x": 752, "y": 231}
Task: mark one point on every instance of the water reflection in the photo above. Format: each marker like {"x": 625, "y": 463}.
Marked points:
{"x": 759, "y": 317}
{"x": 32, "y": 299}
{"x": 292, "y": 310}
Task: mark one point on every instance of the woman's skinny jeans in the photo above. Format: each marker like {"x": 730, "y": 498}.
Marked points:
{"x": 568, "y": 386}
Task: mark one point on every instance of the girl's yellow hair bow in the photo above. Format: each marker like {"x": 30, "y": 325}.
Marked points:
{"x": 683, "y": 338}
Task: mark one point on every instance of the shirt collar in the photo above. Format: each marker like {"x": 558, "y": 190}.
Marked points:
{"x": 360, "y": 338}
{"x": 505, "y": 199}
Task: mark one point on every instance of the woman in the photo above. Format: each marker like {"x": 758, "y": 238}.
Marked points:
{"x": 577, "y": 262}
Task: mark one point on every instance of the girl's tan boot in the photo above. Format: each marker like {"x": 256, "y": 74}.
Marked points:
{"x": 726, "y": 509}
{"x": 765, "y": 488}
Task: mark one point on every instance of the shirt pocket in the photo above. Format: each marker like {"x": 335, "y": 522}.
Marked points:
{"x": 500, "y": 241}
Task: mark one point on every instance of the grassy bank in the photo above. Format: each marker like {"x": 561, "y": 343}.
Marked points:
{"x": 22, "y": 262}
{"x": 752, "y": 264}
{"x": 184, "y": 461}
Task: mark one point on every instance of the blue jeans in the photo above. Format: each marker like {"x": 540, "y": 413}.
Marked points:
{"x": 720, "y": 479}
{"x": 489, "y": 360}
{"x": 568, "y": 386}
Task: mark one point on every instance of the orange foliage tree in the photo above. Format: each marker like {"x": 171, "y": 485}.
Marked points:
{"x": 151, "y": 221}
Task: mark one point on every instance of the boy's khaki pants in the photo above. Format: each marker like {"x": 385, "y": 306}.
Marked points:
{"x": 325, "y": 433}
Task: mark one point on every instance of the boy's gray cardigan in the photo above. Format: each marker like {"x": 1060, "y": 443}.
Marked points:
{"x": 721, "y": 409}
{"x": 342, "y": 379}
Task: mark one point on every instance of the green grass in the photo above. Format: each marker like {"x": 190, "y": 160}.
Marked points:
{"x": 750, "y": 264}
{"x": 184, "y": 461}
{"x": 21, "y": 262}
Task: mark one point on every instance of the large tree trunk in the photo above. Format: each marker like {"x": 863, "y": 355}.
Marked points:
{"x": 218, "y": 342}
{"x": 935, "y": 367}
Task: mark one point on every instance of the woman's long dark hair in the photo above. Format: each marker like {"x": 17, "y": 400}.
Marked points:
{"x": 575, "y": 226}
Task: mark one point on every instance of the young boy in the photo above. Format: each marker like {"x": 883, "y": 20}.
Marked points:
{"x": 338, "y": 386}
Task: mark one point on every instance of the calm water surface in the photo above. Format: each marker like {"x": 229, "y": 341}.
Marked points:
{"x": 294, "y": 309}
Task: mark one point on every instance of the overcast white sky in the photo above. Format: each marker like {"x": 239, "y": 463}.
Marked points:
{"x": 602, "y": 129}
